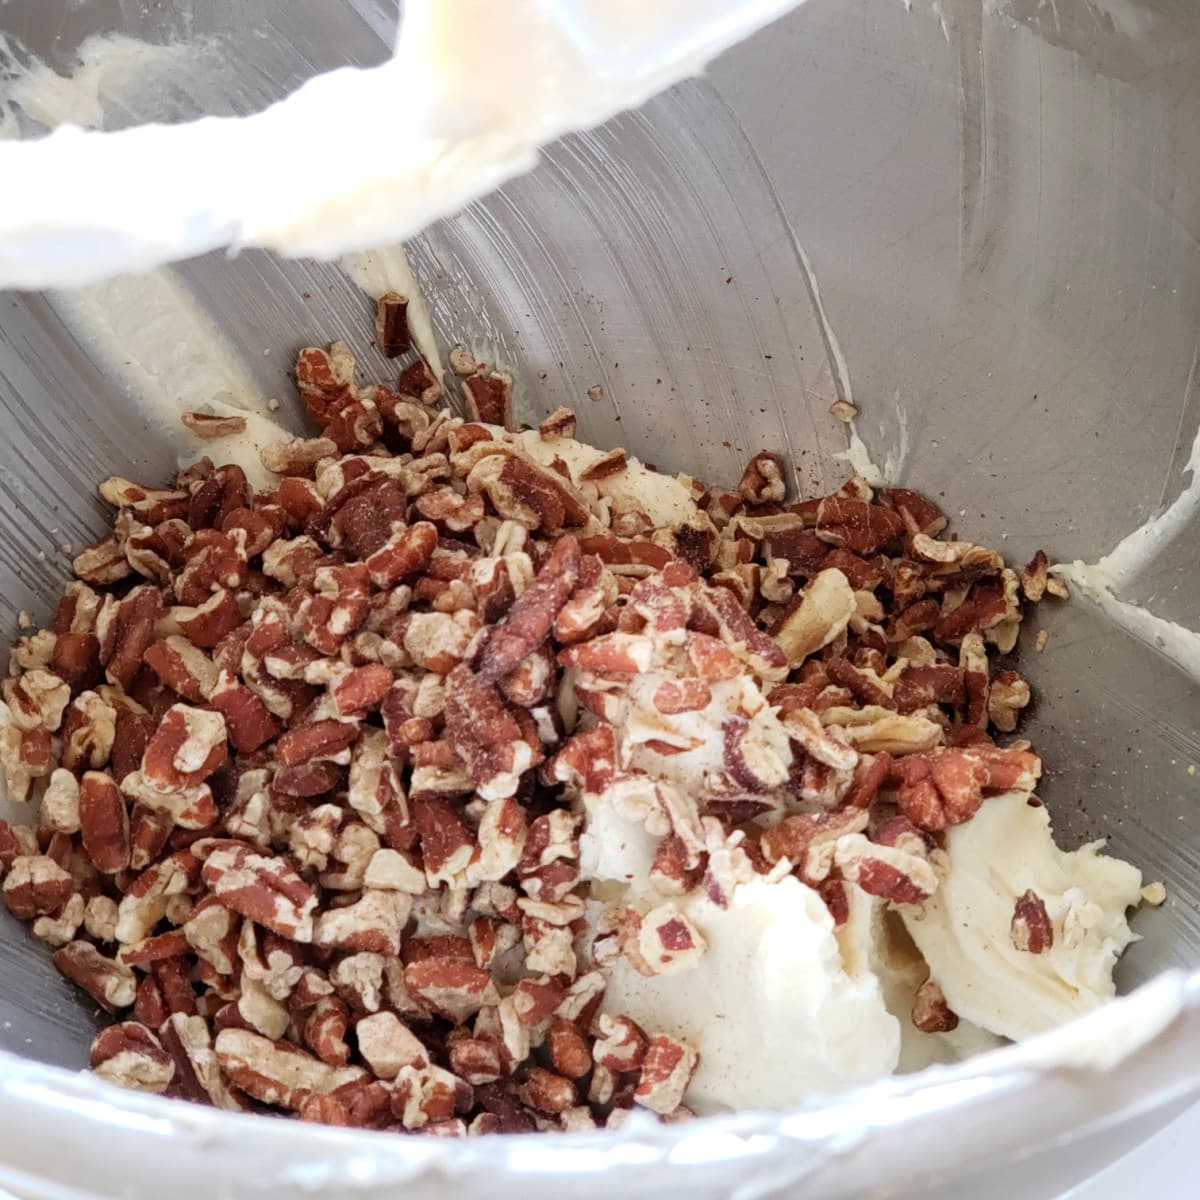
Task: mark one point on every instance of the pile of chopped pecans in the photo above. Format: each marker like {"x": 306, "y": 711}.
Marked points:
{"x": 313, "y": 763}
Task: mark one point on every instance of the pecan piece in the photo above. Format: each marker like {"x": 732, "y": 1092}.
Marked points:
{"x": 546, "y": 1092}
{"x": 261, "y": 887}
{"x": 930, "y": 1012}
{"x": 278, "y": 1073}
{"x": 125, "y": 629}
{"x": 1032, "y": 929}
{"x": 817, "y": 616}
{"x": 388, "y": 1045}
{"x": 130, "y": 1056}
{"x": 36, "y": 885}
{"x": 111, "y": 984}
{"x": 919, "y": 514}
{"x": 763, "y": 480}
{"x": 186, "y": 748}
{"x": 197, "y": 1073}
{"x": 1035, "y": 576}
{"x": 899, "y": 874}
{"x": 667, "y": 1070}
{"x": 104, "y": 823}
{"x": 489, "y": 397}
{"x": 248, "y": 721}
{"x": 531, "y": 617}
{"x": 210, "y": 426}
{"x": 103, "y": 562}
{"x": 487, "y": 733}
{"x": 455, "y": 988}
{"x": 620, "y": 1043}
{"x": 325, "y": 380}
{"x": 391, "y": 325}
{"x": 406, "y": 551}
{"x": 320, "y": 741}
{"x": 183, "y": 667}
{"x": 857, "y": 525}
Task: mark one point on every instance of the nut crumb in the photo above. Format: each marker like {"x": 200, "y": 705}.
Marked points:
{"x": 1043, "y": 636}
{"x": 463, "y": 362}
{"x": 1155, "y": 894}
{"x": 843, "y": 410}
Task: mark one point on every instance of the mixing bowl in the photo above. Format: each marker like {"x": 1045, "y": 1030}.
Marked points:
{"x": 977, "y": 219}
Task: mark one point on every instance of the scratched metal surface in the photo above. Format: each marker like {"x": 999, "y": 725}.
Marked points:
{"x": 990, "y": 211}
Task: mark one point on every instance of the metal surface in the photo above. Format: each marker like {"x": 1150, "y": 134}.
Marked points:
{"x": 992, "y": 209}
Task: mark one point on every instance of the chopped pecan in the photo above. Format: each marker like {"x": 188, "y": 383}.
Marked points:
{"x": 325, "y": 380}
{"x": 103, "y": 562}
{"x": 111, "y": 984}
{"x": 125, "y": 629}
{"x": 210, "y": 426}
{"x": 763, "y": 481}
{"x": 248, "y": 721}
{"x": 930, "y": 1012}
{"x": 36, "y": 884}
{"x": 1035, "y": 576}
{"x": 546, "y": 1092}
{"x": 186, "y": 748}
{"x": 60, "y": 803}
{"x": 446, "y": 844}
{"x": 817, "y": 616}
{"x": 391, "y": 325}
{"x": 320, "y": 741}
{"x": 559, "y": 424}
{"x": 37, "y": 699}
{"x": 261, "y": 887}
{"x": 183, "y": 667}
{"x": 455, "y": 988}
{"x": 669, "y": 942}
{"x": 298, "y": 456}
{"x": 531, "y": 617}
{"x": 130, "y": 1056}
{"x": 372, "y": 923}
{"x": 104, "y": 823}
{"x": 667, "y": 1070}
{"x": 946, "y": 788}
{"x": 857, "y": 525}
{"x": 1032, "y": 929}
{"x": 620, "y": 1043}
{"x": 891, "y": 872}
{"x": 920, "y": 515}
{"x": 277, "y": 1073}
{"x": 1008, "y": 694}
{"x": 488, "y": 734}
{"x": 489, "y": 397}
{"x": 388, "y": 1045}
{"x": 406, "y": 551}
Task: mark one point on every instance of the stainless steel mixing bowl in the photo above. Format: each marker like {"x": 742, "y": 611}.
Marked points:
{"x": 981, "y": 217}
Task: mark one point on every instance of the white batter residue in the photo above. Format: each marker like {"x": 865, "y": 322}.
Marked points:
{"x": 1102, "y": 581}
{"x": 472, "y": 91}
{"x": 148, "y": 333}
{"x": 771, "y": 1007}
{"x": 113, "y": 71}
{"x": 964, "y": 931}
